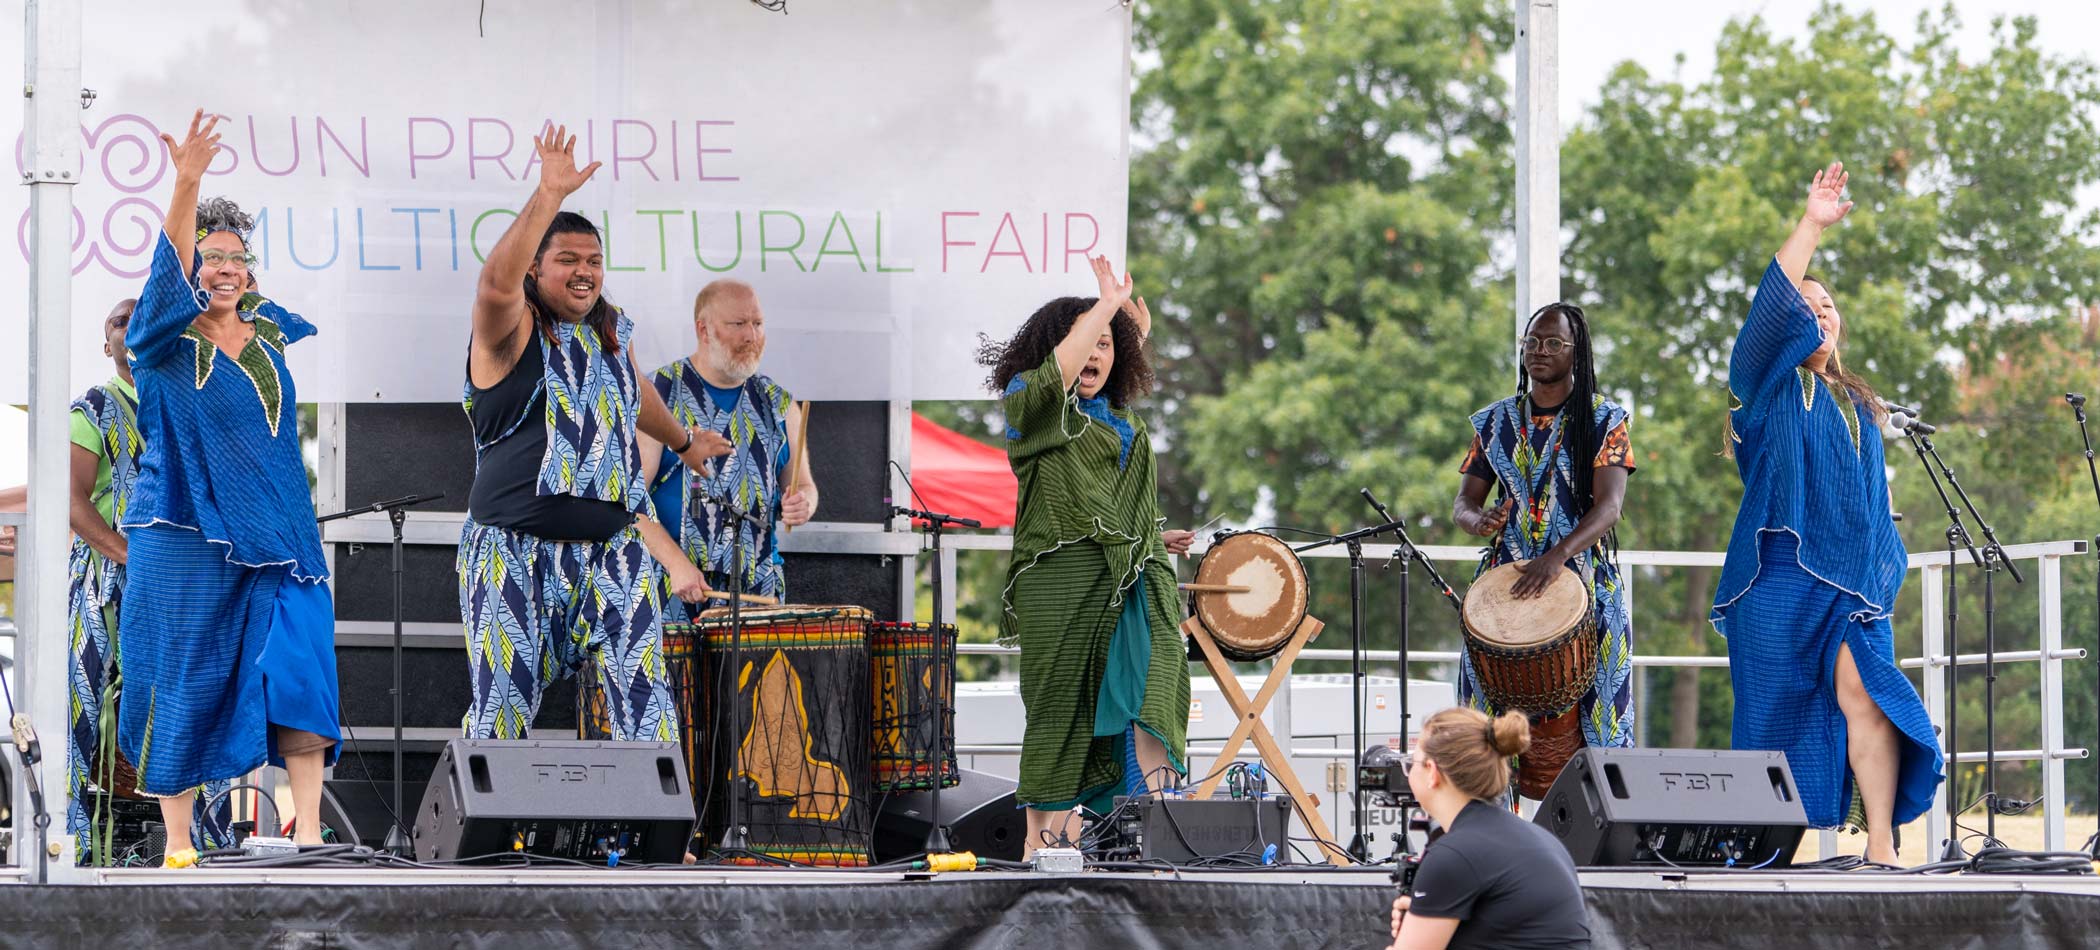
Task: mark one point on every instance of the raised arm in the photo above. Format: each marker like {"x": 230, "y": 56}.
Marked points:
{"x": 499, "y": 295}
{"x": 1826, "y": 206}
{"x": 1072, "y": 351}
{"x": 1780, "y": 331}
{"x": 191, "y": 157}
{"x": 168, "y": 304}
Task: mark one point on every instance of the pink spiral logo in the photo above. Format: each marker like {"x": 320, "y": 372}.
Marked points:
{"x": 127, "y": 153}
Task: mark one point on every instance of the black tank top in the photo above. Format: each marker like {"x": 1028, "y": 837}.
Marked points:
{"x": 506, "y": 481}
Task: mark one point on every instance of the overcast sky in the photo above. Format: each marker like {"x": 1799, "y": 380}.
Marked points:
{"x": 1596, "y": 35}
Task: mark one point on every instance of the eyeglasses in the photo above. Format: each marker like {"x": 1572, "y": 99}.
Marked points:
{"x": 1549, "y": 345}
{"x": 222, "y": 258}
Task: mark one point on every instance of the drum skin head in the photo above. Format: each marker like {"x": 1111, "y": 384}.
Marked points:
{"x": 1265, "y": 616}
{"x": 1495, "y": 616}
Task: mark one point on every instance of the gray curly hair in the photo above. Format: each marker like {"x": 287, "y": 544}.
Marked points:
{"x": 221, "y": 214}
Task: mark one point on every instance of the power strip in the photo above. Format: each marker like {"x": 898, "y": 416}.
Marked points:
{"x": 1059, "y": 860}
{"x": 264, "y": 846}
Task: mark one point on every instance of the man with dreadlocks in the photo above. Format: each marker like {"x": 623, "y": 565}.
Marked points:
{"x": 558, "y": 560}
{"x": 1090, "y": 595}
{"x": 1558, "y": 453}
{"x": 226, "y": 639}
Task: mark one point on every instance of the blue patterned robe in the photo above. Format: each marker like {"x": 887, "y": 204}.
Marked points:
{"x": 1544, "y": 514}
{"x": 228, "y": 628}
{"x": 1814, "y": 563}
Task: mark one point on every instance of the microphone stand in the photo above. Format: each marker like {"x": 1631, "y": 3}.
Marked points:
{"x": 2077, "y": 402}
{"x": 936, "y": 835}
{"x": 1359, "y": 845}
{"x": 736, "y": 836}
{"x": 396, "y": 512}
{"x": 1957, "y": 536}
{"x": 1992, "y": 559}
{"x": 1403, "y": 553}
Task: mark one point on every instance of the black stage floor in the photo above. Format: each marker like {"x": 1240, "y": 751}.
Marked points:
{"x": 813, "y": 910}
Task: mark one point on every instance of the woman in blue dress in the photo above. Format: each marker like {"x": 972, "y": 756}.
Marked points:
{"x": 1814, "y": 564}
{"x": 227, "y": 636}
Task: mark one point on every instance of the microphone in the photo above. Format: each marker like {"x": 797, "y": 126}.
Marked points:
{"x": 2075, "y": 399}
{"x": 1915, "y": 424}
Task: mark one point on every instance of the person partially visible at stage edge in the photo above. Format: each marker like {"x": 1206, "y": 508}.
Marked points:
{"x": 1492, "y": 880}
{"x": 226, "y": 636}
{"x": 558, "y": 560}
{"x": 734, "y": 409}
{"x": 1814, "y": 564}
{"x": 1090, "y": 594}
{"x": 105, "y": 465}
{"x": 1558, "y": 454}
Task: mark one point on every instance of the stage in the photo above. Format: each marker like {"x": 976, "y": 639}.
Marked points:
{"x": 1285, "y": 908}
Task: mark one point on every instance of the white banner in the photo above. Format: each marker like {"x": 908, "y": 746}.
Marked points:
{"x": 893, "y": 177}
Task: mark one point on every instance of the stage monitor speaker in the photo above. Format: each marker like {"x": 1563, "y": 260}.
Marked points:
{"x": 601, "y": 802}
{"x": 1685, "y": 807}
{"x": 979, "y": 812}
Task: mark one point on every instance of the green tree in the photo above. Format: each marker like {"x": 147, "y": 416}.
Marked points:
{"x": 1967, "y": 240}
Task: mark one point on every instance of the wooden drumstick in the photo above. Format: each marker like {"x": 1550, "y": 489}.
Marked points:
{"x": 795, "y": 456}
{"x": 760, "y": 599}
{"x": 1216, "y": 589}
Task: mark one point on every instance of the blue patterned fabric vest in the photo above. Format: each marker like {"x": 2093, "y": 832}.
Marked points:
{"x": 115, "y": 416}
{"x": 593, "y": 401}
{"x": 752, "y": 475}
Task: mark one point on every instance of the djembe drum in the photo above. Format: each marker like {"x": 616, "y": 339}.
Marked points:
{"x": 791, "y": 722}
{"x": 1537, "y": 656}
{"x": 1250, "y": 594}
{"x": 799, "y": 723}
{"x": 913, "y": 723}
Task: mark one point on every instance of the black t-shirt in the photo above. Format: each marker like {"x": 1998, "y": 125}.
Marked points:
{"x": 1508, "y": 882}
{"x": 506, "y": 482}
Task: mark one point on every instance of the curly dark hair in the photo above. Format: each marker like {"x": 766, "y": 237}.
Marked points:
{"x": 1129, "y": 378}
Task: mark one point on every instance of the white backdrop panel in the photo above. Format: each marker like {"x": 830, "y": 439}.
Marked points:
{"x": 894, "y": 176}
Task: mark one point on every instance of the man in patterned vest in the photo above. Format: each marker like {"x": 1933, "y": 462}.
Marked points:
{"x": 1558, "y": 455}
{"x": 719, "y": 390}
{"x": 559, "y": 558}
{"x": 106, "y": 447}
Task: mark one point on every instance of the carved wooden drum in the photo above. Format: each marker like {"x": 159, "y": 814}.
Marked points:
{"x": 1537, "y": 656}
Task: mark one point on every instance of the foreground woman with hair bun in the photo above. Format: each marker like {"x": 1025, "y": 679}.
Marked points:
{"x": 1493, "y": 879}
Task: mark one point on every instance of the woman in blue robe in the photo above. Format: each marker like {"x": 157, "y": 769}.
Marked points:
{"x": 1814, "y": 564}
{"x": 227, "y": 636}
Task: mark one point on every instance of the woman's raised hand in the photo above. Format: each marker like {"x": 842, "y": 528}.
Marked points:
{"x": 1826, "y": 196}
{"x": 194, "y": 153}
{"x": 1113, "y": 292}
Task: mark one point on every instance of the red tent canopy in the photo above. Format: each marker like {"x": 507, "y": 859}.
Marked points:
{"x": 958, "y": 475}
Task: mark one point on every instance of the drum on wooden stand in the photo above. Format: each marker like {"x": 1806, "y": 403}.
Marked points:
{"x": 1537, "y": 656}
{"x": 1251, "y": 595}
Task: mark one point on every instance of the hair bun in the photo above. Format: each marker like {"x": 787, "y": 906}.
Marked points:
{"x": 1511, "y": 733}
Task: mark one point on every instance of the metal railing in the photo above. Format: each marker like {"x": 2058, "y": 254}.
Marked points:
{"x": 2049, "y": 655}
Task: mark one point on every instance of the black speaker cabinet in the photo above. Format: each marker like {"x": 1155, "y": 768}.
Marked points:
{"x": 979, "y": 812}
{"x": 1686, "y": 807}
{"x": 602, "y": 802}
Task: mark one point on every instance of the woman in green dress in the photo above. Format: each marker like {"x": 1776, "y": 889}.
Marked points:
{"x": 1090, "y": 596}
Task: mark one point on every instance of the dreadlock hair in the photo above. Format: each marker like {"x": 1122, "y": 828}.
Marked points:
{"x": 1579, "y": 413}
{"x": 600, "y": 318}
{"x": 1129, "y": 378}
{"x": 1834, "y": 372}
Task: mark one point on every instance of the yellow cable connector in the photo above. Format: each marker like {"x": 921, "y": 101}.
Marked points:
{"x": 958, "y": 861}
